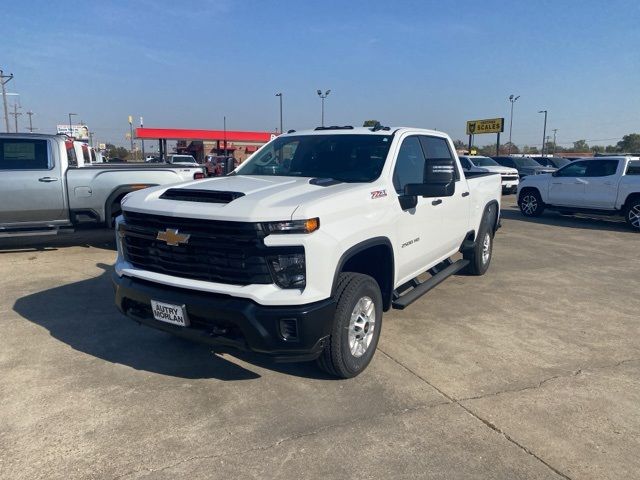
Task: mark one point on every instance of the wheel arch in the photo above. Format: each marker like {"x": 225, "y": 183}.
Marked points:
{"x": 113, "y": 200}
{"x": 373, "y": 257}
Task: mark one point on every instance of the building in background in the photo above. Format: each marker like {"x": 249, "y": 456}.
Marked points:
{"x": 201, "y": 143}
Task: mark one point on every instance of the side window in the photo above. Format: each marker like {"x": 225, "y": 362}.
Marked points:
{"x": 22, "y": 154}
{"x": 575, "y": 169}
{"x": 506, "y": 162}
{"x": 633, "y": 168}
{"x": 466, "y": 164}
{"x": 601, "y": 168}
{"x": 409, "y": 165}
{"x": 437, "y": 150}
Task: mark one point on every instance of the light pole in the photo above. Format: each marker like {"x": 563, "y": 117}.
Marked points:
{"x": 513, "y": 99}
{"x": 323, "y": 96}
{"x": 280, "y": 95}
{"x": 544, "y": 131}
{"x": 555, "y": 130}
{"x": 70, "y": 126}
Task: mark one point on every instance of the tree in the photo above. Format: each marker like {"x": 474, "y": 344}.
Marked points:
{"x": 630, "y": 143}
{"x": 514, "y": 148}
{"x": 459, "y": 144}
{"x": 597, "y": 148}
{"x": 116, "y": 152}
{"x": 580, "y": 146}
{"x": 611, "y": 149}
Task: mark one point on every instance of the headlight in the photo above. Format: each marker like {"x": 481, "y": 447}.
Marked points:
{"x": 288, "y": 270}
{"x": 293, "y": 226}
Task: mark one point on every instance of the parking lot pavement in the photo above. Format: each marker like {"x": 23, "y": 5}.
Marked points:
{"x": 531, "y": 371}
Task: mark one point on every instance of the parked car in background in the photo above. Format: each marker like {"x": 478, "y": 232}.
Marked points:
{"x": 182, "y": 160}
{"x": 553, "y": 162}
{"x": 44, "y": 186}
{"x": 510, "y": 177}
{"x": 524, "y": 165}
{"x": 603, "y": 185}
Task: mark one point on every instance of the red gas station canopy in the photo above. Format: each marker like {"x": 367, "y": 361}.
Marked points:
{"x": 188, "y": 134}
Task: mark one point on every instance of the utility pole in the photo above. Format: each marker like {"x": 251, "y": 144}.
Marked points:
{"x": 544, "y": 131}
{"x": 280, "y": 95}
{"x": 513, "y": 100}
{"x": 224, "y": 120}
{"x": 4, "y": 97}
{"x": 142, "y": 126}
{"x": 70, "y": 124}
{"x": 31, "y": 129}
{"x": 131, "y": 134}
{"x": 15, "y": 115}
{"x": 554, "y": 141}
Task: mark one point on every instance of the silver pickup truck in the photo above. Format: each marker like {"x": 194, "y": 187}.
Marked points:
{"x": 42, "y": 188}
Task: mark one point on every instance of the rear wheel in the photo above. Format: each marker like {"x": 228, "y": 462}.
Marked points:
{"x": 480, "y": 255}
{"x": 356, "y": 326}
{"x": 530, "y": 203}
{"x": 632, "y": 214}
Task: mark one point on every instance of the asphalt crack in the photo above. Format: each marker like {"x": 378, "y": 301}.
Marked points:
{"x": 486, "y": 422}
{"x": 262, "y": 448}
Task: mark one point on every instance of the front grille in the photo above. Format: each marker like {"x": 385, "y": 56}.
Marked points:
{"x": 217, "y": 251}
{"x": 509, "y": 177}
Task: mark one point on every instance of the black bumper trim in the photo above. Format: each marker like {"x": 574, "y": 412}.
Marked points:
{"x": 247, "y": 326}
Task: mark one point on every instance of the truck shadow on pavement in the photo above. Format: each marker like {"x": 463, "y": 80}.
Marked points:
{"x": 615, "y": 224}
{"x": 101, "y": 238}
{"x": 83, "y": 315}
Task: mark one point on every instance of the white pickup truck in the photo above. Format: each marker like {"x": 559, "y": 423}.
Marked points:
{"x": 297, "y": 253}
{"x": 602, "y": 185}
{"x": 44, "y": 186}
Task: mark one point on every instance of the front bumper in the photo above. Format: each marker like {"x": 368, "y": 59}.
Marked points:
{"x": 230, "y": 323}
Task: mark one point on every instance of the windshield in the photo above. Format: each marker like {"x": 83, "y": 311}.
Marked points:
{"x": 347, "y": 158}
{"x": 525, "y": 162}
{"x": 484, "y": 162}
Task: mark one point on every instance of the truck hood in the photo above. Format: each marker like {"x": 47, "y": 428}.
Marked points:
{"x": 501, "y": 170}
{"x": 244, "y": 198}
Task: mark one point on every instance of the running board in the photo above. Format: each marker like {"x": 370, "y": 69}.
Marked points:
{"x": 29, "y": 231}
{"x": 420, "y": 288}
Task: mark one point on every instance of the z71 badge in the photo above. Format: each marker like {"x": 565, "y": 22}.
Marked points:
{"x": 379, "y": 194}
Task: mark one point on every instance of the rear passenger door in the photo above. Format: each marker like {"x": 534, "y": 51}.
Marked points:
{"x": 601, "y": 188}
{"x": 454, "y": 210}
{"x": 31, "y": 187}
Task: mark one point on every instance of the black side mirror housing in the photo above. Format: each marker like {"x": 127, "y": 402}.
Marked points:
{"x": 407, "y": 202}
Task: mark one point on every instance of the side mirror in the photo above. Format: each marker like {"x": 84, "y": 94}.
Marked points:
{"x": 407, "y": 202}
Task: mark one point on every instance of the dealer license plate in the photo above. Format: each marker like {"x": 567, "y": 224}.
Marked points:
{"x": 168, "y": 313}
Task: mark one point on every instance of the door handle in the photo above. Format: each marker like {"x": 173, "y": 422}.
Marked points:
{"x": 436, "y": 202}
{"x": 47, "y": 179}
{"x": 465, "y": 194}
{"x": 556, "y": 183}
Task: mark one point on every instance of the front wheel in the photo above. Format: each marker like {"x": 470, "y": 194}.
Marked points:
{"x": 530, "y": 203}
{"x": 632, "y": 214}
{"x": 356, "y": 326}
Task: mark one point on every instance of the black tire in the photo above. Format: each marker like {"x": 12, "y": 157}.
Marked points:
{"x": 530, "y": 203}
{"x": 632, "y": 214}
{"x": 337, "y": 358}
{"x": 482, "y": 252}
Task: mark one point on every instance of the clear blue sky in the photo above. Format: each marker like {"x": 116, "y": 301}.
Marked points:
{"x": 419, "y": 63}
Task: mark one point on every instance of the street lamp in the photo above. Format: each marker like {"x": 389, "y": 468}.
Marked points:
{"x": 323, "y": 96}
{"x": 70, "y": 126}
{"x": 513, "y": 100}
{"x": 544, "y": 131}
{"x": 280, "y": 95}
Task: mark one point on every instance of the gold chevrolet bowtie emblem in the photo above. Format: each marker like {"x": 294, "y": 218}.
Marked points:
{"x": 172, "y": 237}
